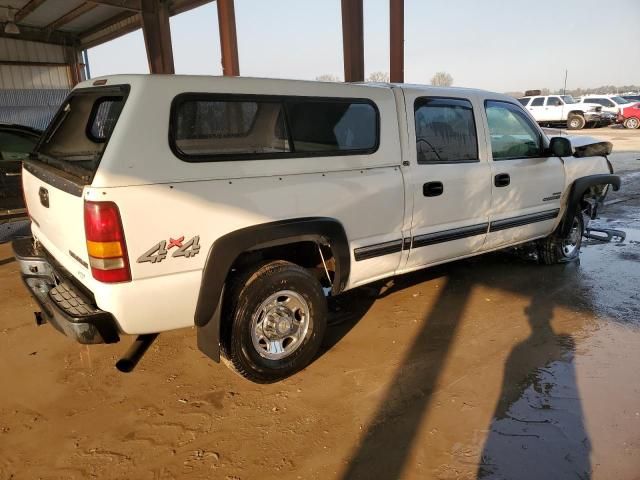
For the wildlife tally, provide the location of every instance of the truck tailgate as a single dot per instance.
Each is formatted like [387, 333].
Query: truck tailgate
[57, 217]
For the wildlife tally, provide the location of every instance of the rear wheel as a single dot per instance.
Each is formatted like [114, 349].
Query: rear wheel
[631, 122]
[556, 249]
[575, 122]
[277, 315]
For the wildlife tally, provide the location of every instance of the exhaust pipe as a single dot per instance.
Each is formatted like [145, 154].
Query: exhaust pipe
[137, 349]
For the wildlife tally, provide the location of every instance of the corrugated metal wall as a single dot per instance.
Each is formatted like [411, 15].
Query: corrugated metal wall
[32, 76]
[30, 94]
[33, 108]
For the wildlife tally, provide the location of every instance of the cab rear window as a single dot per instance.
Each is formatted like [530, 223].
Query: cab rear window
[78, 135]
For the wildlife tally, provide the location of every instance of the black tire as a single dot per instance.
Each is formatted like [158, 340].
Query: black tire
[632, 122]
[575, 122]
[244, 301]
[554, 249]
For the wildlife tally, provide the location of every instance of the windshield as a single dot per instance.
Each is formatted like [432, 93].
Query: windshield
[568, 99]
[78, 135]
[620, 100]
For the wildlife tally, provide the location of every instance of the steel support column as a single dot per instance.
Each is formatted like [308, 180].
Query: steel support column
[157, 35]
[74, 66]
[396, 40]
[352, 40]
[228, 39]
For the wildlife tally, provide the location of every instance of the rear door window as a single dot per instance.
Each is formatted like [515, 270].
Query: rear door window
[524, 101]
[445, 130]
[537, 102]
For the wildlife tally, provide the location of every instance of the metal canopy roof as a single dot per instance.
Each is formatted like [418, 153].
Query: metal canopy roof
[82, 23]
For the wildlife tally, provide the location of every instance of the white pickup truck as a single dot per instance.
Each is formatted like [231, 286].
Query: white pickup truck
[238, 205]
[561, 110]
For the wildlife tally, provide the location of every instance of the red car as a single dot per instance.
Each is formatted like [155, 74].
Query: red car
[630, 116]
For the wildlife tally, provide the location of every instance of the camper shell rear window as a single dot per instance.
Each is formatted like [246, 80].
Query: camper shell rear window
[222, 127]
[77, 136]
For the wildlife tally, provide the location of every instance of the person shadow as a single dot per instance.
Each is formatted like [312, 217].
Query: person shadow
[538, 428]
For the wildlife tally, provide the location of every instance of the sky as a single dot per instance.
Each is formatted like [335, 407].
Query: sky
[499, 45]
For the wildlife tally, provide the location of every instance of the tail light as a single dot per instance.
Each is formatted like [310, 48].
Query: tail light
[105, 242]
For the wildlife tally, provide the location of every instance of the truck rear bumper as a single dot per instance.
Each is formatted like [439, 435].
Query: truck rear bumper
[64, 305]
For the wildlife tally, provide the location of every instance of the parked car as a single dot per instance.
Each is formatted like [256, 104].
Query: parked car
[16, 141]
[607, 118]
[244, 203]
[561, 110]
[630, 116]
[631, 98]
[609, 103]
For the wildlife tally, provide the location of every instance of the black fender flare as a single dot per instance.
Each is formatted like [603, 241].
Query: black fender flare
[226, 249]
[578, 189]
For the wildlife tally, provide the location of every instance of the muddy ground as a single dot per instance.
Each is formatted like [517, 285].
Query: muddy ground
[494, 367]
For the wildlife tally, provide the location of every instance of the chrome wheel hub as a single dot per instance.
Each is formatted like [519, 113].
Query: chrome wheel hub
[572, 242]
[280, 324]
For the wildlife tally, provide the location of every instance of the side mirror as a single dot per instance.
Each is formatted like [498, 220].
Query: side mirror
[560, 147]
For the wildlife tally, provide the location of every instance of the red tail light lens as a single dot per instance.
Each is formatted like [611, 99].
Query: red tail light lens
[106, 243]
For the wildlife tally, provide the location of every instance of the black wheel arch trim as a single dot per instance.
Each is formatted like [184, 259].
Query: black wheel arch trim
[226, 249]
[578, 189]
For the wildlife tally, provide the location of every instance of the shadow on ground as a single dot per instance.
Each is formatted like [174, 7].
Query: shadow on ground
[538, 427]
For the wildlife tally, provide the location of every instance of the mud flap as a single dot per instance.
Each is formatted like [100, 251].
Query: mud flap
[208, 335]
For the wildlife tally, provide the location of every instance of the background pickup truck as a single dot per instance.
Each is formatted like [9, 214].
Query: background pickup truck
[561, 110]
[238, 205]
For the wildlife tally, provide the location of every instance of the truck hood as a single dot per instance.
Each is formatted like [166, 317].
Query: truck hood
[589, 146]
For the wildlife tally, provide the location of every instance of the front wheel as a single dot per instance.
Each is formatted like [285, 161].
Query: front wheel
[555, 249]
[575, 122]
[276, 318]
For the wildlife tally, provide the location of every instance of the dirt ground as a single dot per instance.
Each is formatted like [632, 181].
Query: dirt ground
[493, 367]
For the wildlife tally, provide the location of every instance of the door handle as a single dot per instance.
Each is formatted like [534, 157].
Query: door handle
[502, 180]
[432, 189]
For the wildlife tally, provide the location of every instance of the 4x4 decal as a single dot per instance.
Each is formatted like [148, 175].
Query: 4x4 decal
[160, 250]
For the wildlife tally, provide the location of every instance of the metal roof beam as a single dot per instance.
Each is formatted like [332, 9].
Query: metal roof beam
[175, 7]
[72, 15]
[34, 34]
[27, 9]
[129, 5]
